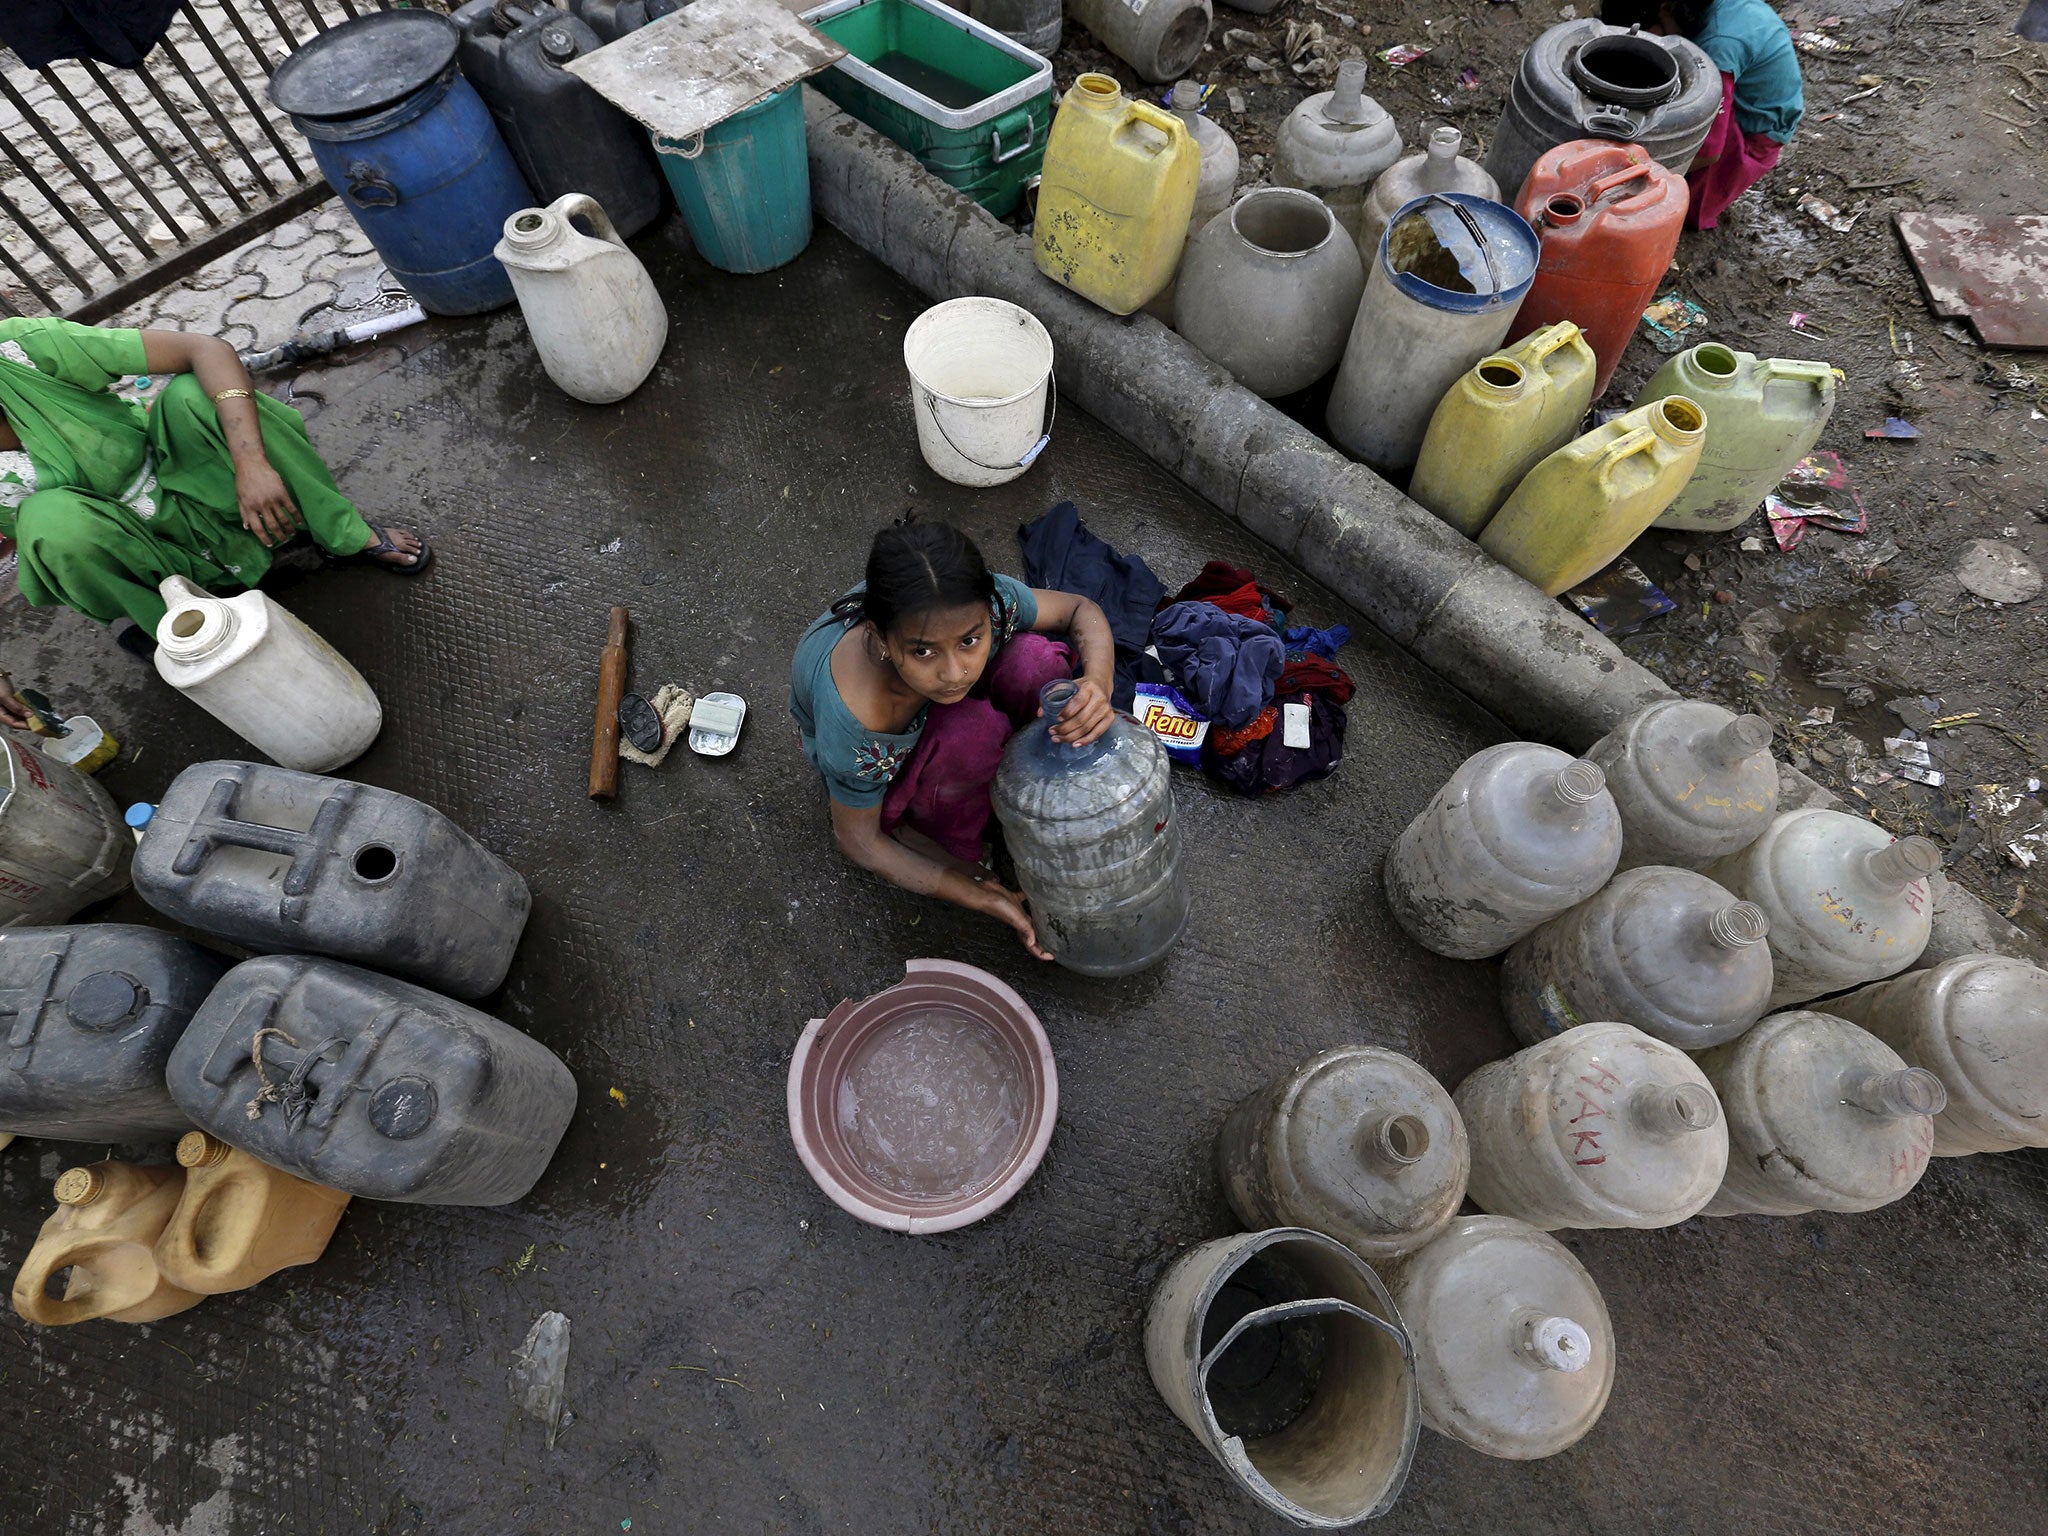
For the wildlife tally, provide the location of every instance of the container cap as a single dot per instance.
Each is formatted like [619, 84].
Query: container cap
[78, 1186]
[365, 65]
[105, 999]
[1455, 251]
[139, 815]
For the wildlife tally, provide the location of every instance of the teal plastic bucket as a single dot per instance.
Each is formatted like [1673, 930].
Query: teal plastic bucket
[745, 186]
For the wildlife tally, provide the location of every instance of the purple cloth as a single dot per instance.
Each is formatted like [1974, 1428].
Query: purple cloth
[1269, 764]
[943, 790]
[1224, 663]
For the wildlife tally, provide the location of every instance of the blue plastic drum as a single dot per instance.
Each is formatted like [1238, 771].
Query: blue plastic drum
[412, 150]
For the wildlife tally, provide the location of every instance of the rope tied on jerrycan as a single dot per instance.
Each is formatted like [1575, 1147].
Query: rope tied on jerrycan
[291, 1096]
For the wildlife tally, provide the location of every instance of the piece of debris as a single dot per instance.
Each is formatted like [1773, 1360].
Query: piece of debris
[1468, 78]
[1914, 761]
[1817, 42]
[1820, 714]
[1620, 600]
[1752, 545]
[1991, 267]
[1865, 558]
[1400, 54]
[1827, 213]
[1998, 573]
[1894, 427]
[1798, 320]
[1675, 322]
[540, 1367]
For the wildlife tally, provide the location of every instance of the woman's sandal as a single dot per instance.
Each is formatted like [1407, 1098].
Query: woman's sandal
[382, 545]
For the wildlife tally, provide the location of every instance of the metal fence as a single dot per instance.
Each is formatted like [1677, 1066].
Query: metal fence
[115, 182]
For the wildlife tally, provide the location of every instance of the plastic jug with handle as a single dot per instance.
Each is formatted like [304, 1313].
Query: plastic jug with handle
[1666, 949]
[103, 1233]
[1117, 192]
[62, 844]
[1575, 512]
[593, 312]
[1601, 1126]
[1822, 1116]
[1847, 905]
[1357, 1142]
[1980, 1024]
[1514, 1353]
[266, 676]
[1764, 414]
[241, 1220]
[1609, 218]
[1498, 422]
[1517, 835]
[1694, 783]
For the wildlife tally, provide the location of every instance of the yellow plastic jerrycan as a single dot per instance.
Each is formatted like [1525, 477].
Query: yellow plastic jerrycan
[104, 1232]
[1574, 513]
[1499, 421]
[1116, 194]
[241, 1220]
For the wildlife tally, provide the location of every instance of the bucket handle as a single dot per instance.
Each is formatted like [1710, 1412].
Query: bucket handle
[1315, 1306]
[1478, 236]
[995, 138]
[1052, 408]
[1611, 122]
[688, 148]
[369, 187]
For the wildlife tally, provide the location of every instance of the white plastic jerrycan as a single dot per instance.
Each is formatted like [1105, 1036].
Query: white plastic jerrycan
[592, 310]
[1514, 1353]
[1601, 1126]
[266, 676]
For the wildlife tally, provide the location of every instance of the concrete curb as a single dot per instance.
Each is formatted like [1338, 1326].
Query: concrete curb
[1470, 620]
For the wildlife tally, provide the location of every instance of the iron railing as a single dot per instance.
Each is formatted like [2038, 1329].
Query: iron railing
[116, 182]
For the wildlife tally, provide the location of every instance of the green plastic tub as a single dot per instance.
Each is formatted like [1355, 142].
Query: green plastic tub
[972, 105]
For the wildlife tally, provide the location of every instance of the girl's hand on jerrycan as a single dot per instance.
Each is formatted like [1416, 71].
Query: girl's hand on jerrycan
[1087, 715]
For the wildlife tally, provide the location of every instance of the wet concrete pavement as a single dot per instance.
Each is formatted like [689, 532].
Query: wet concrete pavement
[745, 1356]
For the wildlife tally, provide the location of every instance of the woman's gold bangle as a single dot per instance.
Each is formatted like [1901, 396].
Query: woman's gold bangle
[231, 394]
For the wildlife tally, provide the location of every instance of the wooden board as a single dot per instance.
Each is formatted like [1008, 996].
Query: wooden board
[1991, 267]
[696, 67]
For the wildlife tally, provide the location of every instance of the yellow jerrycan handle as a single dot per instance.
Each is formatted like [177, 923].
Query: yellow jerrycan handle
[1820, 375]
[1175, 130]
[1561, 335]
[1632, 442]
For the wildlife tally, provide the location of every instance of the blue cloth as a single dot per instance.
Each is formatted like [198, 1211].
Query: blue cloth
[1306, 640]
[858, 764]
[1750, 43]
[117, 32]
[1061, 555]
[1224, 663]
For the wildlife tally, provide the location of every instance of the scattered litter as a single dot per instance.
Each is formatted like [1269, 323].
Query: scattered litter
[1817, 42]
[1237, 101]
[1820, 714]
[1827, 213]
[539, 1369]
[1998, 573]
[1620, 600]
[1893, 426]
[1752, 545]
[1798, 320]
[1914, 761]
[1818, 494]
[1991, 267]
[1674, 322]
[1400, 54]
[1865, 558]
[1468, 78]
[618, 1096]
[1238, 37]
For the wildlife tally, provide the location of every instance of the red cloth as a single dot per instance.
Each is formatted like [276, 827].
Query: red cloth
[1312, 674]
[1728, 164]
[1230, 743]
[1231, 589]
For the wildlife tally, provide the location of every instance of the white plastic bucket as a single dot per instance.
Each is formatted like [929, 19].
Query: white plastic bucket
[980, 378]
[62, 842]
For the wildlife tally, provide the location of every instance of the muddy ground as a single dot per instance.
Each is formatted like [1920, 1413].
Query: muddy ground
[1909, 106]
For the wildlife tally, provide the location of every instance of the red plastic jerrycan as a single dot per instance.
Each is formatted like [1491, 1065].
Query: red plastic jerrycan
[1609, 218]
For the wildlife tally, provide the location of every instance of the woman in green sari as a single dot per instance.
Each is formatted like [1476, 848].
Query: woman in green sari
[104, 499]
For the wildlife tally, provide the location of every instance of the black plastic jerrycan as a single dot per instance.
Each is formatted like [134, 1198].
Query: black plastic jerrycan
[274, 859]
[89, 1015]
[371, 1086]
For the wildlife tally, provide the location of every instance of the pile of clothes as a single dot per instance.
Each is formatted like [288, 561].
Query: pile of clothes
[1216, 670]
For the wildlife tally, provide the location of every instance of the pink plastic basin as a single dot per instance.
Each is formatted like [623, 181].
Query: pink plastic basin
[927, 1106]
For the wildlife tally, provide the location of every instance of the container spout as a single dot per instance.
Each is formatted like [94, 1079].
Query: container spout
[1552, 1343]
[1896, 1095]
[1347, 103]
[1394, 1141]
[1738, 741]
[1898, 865]
[1668, 1111]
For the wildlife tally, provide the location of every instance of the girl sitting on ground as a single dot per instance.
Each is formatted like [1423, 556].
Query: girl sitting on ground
[906, 691]
[1762, 95]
